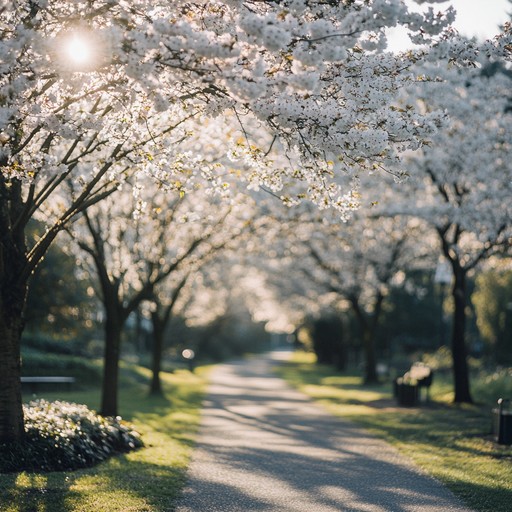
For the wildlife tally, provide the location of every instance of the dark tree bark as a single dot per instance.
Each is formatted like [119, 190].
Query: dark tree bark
[115, 318]
[11, 410]
[13, 290]
[114, 323]
[449, 236]
[459, 350]
[370, 370]
[368, 325]
[160, 319]
[157, 351]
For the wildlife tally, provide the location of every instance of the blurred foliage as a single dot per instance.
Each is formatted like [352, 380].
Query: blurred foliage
[47, 342]
[61, 436]
[227, 336]
[493, 303]
[325, 336]
[489, 386]
[59, 302]
[417, 317]
[413, 317]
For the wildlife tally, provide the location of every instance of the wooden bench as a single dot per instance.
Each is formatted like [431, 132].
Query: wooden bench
[407, 388]
[34, 383]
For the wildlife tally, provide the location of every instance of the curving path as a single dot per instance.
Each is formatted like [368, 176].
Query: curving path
[263, 446]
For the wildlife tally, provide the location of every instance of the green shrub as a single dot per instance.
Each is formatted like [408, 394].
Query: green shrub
[62, 436]
[88, 345]
[45, 342]
[488, 387]
[36, 363]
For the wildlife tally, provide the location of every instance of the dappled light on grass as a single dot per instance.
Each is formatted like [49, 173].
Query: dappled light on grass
[147, 480]
[333, 391]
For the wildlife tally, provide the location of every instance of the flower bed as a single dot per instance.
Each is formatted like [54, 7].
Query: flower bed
[62, 436]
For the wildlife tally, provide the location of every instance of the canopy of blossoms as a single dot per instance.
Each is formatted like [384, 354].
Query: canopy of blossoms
[299, 90]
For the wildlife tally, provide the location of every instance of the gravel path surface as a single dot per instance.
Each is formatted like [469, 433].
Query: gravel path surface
[266, 447]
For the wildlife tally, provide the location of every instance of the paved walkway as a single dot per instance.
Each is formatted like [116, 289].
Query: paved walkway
[266, 447]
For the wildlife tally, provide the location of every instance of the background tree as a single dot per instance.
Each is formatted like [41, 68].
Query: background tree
[347, 266]
[462, 182]
[131, 256]
[359, 263]
[327, 335]
[187, 281]
[493, 303]
[163, 304]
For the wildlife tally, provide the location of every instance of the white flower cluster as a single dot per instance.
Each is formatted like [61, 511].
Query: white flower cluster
[312, 74]
[463, 179]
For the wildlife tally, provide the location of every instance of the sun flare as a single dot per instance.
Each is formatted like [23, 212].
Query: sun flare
[79, 50]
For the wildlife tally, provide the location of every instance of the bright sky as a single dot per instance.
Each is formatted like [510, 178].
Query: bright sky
[480, 18]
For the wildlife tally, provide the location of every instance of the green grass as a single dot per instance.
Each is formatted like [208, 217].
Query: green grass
[147, 480]
[452, 443]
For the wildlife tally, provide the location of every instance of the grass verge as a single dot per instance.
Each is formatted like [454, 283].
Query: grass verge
[147, 480]
[452, 443]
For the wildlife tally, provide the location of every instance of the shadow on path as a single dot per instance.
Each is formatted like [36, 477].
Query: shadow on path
[264, 446]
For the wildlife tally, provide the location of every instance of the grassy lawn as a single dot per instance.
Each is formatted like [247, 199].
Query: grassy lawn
[147, 480]
[452, 443]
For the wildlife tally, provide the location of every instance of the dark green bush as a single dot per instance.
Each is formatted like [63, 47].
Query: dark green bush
[87, 346]
[45, 342]
[62, 436]
[35, 363]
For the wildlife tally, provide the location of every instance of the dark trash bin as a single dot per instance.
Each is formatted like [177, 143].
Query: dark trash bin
[502, 422]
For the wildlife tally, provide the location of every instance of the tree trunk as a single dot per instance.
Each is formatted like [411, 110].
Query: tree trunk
[459, 351]
[113, 328]
[368, 325]
[11, 409]
[158, 345]
[13, 290]
[370, 371]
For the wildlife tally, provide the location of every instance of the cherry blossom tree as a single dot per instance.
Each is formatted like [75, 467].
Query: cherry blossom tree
[68, 138]
[183, 291]
[353, 265]
[462, 182]
[201, 295]
[94, 91]
[164, 302]
[130, 257]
